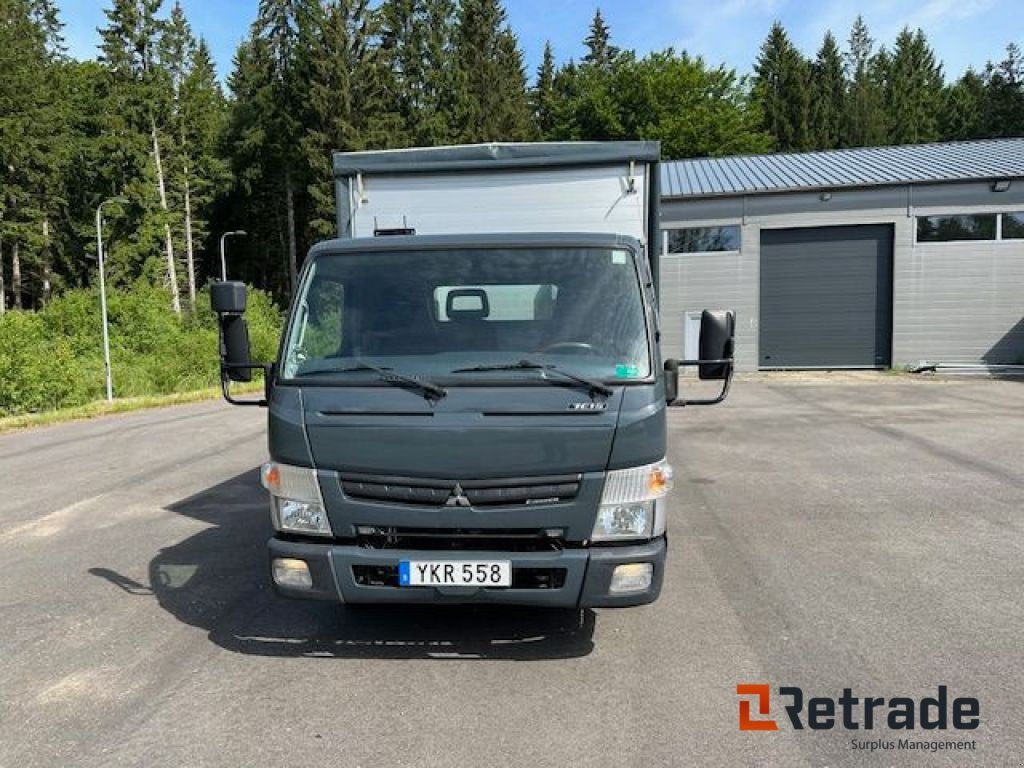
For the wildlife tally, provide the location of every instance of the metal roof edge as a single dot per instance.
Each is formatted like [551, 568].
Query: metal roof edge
[854, 167]
[495, 155]
[837, 187]
[479, 239]
[856, 150]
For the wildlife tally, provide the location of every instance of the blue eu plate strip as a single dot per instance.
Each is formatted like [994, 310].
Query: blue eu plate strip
[403, 573]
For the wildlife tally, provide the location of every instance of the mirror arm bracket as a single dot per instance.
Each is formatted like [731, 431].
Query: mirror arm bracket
[225, 382]
[680, 402]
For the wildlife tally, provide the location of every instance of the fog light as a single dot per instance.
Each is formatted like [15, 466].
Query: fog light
[632, 577]
[289, 572]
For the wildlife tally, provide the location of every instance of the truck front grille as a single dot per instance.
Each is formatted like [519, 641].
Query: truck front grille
[461, 539]
[427, 492]
[522, 578]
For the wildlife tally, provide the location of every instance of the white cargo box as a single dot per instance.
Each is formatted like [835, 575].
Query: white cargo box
[605, 187]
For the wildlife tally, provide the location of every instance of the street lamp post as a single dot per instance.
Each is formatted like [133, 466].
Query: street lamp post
[223, 260]
[103, 295]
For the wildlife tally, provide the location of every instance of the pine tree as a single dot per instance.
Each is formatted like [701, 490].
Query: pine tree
[204, 171]
[589, 109]
[963, 108]
[255, 197]
[1004, 86]
[140, 99]
[416, 50]
[20, 60]
[177, 48]
[913, 93]
[282, 102]
[336, 46]
[511, 92]
[600, 52]
[48, 22]
[349, 103]
[83, 89]
[783, 91]
[865, 117]
[33, 121]
[542, 95]
[828, 95]
[491, 99]
[436, 118]
[566, 89]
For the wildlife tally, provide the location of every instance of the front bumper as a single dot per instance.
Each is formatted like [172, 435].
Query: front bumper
[587, 575]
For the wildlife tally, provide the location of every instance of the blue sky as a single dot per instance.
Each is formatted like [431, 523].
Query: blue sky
[963, 32]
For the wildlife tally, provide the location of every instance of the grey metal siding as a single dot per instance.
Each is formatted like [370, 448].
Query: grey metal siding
[691, 282]
[961, 302]
[951, 302]
[826, 297]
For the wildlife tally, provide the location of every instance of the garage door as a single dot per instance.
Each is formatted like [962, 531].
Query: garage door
[826, 297]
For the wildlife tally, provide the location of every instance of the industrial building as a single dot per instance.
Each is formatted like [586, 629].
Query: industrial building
[860, 258]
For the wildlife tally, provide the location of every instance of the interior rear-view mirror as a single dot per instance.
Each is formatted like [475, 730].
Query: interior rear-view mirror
[467, 304]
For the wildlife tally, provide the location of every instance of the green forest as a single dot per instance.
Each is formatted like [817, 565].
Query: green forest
[190, 156]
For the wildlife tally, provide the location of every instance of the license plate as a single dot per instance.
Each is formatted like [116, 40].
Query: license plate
[455, 573]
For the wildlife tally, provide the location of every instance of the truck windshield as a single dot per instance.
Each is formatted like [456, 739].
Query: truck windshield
[428, 313]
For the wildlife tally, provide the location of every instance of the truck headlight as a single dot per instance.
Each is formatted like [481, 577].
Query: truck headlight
[633, 503]
[296, 505]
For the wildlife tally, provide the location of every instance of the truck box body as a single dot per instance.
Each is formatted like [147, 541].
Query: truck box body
[600, 187]
[469, 401]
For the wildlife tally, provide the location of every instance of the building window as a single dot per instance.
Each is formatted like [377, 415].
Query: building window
[1013, 226]
[703, 239]
[941, 229]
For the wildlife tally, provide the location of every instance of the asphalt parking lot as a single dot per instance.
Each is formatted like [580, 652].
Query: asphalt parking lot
[861, 532]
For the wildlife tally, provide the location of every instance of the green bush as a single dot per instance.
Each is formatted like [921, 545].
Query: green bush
[54, 358]
[38, 370]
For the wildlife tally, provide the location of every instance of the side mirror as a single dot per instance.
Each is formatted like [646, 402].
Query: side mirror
[228, 300]
[234, 348]
[671, 381]
[717, 334]
[717, 331]
[228, 297]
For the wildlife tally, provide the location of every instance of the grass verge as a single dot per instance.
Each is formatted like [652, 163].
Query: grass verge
[124, 405]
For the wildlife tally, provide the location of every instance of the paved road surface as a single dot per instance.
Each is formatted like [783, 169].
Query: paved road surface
[824, 535]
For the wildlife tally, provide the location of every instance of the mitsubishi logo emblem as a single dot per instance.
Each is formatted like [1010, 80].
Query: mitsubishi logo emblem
[457, 498]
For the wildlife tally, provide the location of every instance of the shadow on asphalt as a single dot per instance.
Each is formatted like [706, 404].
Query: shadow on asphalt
[217, 580]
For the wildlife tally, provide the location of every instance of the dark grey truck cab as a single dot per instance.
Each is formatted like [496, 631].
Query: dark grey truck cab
[469, 404]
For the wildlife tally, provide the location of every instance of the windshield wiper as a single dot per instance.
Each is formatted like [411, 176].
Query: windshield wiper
[529, 365]
[430, 390]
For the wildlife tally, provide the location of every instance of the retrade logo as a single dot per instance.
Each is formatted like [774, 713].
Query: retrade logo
[763, 696]
[849, 712]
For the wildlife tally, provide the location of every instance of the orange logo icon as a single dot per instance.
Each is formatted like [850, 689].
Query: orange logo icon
[763, 694]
